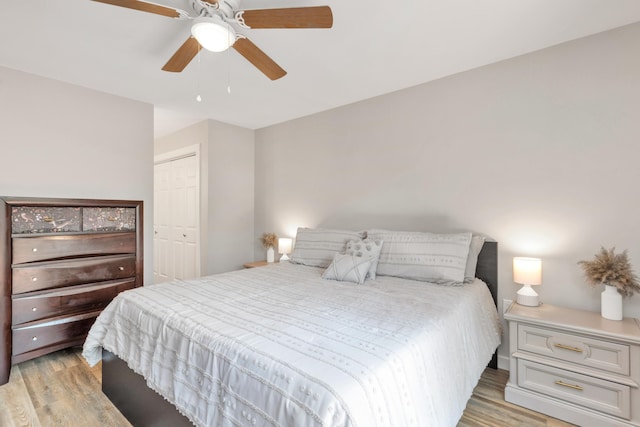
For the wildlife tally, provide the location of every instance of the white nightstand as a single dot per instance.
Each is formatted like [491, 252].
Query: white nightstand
[574, 365]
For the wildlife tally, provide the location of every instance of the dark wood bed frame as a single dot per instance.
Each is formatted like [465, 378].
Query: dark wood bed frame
[143, 407]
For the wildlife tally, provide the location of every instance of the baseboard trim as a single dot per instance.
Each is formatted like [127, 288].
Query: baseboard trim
[503, 362]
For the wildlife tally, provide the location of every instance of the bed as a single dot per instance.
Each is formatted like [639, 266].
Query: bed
[283, 346]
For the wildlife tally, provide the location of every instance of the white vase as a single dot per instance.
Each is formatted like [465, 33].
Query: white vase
[270, 255]
[611, 303]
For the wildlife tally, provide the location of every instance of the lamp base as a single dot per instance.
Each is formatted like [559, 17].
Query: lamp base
[284, 257]
[527, 296]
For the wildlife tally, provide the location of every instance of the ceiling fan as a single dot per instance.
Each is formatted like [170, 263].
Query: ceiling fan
[214, 28]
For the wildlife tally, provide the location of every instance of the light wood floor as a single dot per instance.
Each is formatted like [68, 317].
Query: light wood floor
[61, 390]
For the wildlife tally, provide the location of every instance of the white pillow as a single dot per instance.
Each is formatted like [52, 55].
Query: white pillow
[348, 268]
[317, 246]
[367, 248]
[472, 260]
[429, 257]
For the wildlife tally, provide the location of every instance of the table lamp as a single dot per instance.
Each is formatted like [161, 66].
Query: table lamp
[527, 272]
[284, 247]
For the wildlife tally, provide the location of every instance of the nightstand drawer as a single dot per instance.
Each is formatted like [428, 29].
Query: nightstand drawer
[577, 349]
[596, 394]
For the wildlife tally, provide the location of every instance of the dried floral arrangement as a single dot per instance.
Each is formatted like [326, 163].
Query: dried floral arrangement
[612, 269]
[269, 240]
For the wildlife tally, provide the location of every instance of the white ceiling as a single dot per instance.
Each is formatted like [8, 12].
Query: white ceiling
[374, 48]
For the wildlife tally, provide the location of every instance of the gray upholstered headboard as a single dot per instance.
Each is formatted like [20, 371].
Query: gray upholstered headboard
[487, 268]
[487, 271]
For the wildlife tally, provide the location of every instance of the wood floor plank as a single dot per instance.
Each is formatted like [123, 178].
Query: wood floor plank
[16, 408]
[60, 389]
[487, 407]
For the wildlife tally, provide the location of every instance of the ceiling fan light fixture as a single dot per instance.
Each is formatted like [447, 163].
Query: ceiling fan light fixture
[213, 34]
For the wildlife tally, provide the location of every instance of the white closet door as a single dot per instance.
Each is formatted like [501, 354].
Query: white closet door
[176, 219]
[184, 217]
[162, 270]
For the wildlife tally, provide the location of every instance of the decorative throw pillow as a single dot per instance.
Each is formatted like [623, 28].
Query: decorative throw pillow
[348, 268]
[317, 246]
[472, 260]
[366, 248]
[430, 257]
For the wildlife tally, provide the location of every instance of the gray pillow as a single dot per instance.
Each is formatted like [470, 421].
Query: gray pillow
[429, 257]
[367, 248]
[472, 260]
[348, 268]
[317, 246]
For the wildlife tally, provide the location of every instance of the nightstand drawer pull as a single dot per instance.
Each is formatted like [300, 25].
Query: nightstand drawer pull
[566, 347]
[573, 386]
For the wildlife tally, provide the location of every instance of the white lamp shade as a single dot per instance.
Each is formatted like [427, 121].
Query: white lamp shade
[213, 34]
[527, 271]
[284, 247]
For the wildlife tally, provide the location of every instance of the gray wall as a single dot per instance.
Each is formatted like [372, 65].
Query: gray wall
[539, 152]
[61, 140]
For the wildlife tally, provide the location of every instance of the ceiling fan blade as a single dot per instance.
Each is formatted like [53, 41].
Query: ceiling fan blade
[144, 7]
[258, 58]
[183, 56]
[292, 17]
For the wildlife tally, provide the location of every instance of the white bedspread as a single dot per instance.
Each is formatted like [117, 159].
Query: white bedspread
[279, 346]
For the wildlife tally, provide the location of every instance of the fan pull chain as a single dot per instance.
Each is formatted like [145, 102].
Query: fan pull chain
[198, 97]
[229, 67]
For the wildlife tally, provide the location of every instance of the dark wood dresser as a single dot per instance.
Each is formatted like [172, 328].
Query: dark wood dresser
[61, 262]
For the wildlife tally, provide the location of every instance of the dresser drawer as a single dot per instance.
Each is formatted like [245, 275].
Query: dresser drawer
[108, 219]
[35, 335]
[45, 275]
[30, 307]
[39, 248]
[577, 349]
[589, 392]
[45, 219]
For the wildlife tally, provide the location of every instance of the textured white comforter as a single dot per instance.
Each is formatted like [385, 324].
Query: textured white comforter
[279, 346]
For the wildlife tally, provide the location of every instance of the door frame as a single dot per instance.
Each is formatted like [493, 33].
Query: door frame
[177, 154]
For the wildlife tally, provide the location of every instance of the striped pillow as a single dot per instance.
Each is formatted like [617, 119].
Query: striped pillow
[317, 246]
[348, 268]
[477, 242]
[429, 257]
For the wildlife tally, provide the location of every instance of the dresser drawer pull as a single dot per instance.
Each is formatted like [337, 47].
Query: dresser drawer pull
[47, 219]
[34, 309]
[34, 339]
[112, 218]
[35, 249]
[573, 386]
[566, 347]
[121, 268]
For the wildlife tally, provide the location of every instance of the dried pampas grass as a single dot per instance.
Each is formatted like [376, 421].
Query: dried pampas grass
[612, 269]
[269, 240]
